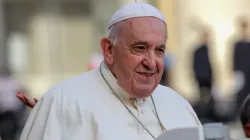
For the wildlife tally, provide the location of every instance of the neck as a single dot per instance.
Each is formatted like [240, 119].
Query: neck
[111, 80]
[109, 76]
[111, 69]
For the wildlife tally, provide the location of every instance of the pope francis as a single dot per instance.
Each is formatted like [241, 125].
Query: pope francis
[122, 98]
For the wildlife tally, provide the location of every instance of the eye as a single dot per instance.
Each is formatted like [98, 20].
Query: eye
[138, 49]
[160, 51]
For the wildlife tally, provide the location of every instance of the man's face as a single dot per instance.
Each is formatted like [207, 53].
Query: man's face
[138, 57]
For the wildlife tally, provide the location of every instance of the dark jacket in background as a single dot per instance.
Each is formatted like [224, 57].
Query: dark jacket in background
[203, 76]
[241, 62]
[202, 67]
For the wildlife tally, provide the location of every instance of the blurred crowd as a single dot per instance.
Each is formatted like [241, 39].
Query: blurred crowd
[211, 107]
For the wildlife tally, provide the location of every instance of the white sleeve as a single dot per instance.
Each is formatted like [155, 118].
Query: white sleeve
[192, 112]
[56, 118]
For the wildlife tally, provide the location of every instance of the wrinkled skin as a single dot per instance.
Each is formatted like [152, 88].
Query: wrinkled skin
[137, 57]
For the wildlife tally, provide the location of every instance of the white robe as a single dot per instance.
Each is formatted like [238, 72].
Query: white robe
[84, 108]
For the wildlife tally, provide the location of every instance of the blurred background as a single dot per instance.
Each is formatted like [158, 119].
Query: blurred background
[43, 42]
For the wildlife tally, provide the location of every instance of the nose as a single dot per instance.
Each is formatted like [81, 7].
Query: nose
[149, 61]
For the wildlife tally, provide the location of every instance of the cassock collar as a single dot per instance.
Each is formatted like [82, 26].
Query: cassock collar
[112, 81]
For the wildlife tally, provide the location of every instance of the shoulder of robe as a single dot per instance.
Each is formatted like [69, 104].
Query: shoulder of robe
[170, 97]
[167, 94]
[69, 91]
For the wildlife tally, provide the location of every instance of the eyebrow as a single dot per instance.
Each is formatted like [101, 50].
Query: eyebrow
[162, 46]
[140, 43]
[146, 44]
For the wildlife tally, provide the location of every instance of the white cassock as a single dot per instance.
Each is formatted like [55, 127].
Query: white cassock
[85, 108]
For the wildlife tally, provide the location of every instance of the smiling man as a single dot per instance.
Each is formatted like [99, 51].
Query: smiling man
[121, 99]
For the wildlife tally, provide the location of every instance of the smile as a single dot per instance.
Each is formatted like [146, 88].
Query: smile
[145, 74]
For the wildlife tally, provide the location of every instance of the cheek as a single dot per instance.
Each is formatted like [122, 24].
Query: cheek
[160, 65]
[131, 62]
[128, 66]
[124, 65]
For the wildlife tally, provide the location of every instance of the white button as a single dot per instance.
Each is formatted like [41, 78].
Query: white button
[135, 103]
[139, 102]
[142, 129]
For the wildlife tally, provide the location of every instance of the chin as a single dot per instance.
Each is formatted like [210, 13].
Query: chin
[142, 90]
[142, 96]
[143, 93]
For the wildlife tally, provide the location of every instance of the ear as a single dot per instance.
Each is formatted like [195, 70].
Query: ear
[107, 50]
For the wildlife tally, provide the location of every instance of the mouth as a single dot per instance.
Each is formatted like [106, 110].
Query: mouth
[146, 74]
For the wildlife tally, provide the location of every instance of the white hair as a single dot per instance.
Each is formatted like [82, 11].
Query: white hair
[113, 34]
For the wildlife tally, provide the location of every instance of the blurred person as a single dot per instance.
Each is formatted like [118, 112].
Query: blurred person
[95, 61]
[10, 107]
[241, 63]
[203, 75]
[201, 63]
[123, 92]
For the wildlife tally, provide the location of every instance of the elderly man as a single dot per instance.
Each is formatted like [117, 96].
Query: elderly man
[121, 99]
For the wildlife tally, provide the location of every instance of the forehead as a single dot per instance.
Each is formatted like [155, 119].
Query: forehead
[148, 29]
